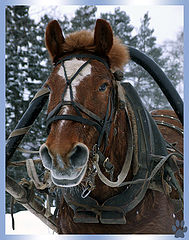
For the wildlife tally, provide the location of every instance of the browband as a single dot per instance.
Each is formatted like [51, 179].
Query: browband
[91, 56]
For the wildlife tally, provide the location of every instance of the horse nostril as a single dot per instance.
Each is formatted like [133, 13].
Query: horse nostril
[45, 156]
[79, 155]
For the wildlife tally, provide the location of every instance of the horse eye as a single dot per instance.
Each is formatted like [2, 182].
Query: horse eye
[103, 87]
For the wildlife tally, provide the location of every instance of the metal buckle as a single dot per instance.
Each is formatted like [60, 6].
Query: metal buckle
[88, 190]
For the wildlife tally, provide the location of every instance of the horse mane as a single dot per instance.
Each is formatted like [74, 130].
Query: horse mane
[84, 40]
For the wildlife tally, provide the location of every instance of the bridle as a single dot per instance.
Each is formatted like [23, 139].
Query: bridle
[152, 152]
[102, 125]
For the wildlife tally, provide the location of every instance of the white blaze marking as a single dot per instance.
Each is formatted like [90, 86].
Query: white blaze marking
[71, 67]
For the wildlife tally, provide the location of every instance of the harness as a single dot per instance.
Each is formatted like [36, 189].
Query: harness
[149, 141]
[151, 156]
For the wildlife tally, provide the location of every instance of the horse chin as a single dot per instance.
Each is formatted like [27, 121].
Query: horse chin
[63, 182]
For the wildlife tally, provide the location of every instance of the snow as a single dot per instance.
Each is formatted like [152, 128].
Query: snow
[26, 223]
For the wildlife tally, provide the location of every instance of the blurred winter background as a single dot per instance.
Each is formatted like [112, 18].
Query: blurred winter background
[155, 30]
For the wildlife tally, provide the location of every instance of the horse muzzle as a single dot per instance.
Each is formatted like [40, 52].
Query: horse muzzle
[68, 171]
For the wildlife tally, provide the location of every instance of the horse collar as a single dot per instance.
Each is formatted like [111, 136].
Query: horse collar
[150, 143]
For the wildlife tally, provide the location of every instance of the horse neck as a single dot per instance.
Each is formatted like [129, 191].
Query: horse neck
[117, 146]
[116, 152]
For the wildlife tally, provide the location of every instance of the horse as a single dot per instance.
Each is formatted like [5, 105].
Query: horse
[104, 150]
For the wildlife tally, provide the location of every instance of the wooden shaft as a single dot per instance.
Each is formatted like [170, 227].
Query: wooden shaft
[20, 194]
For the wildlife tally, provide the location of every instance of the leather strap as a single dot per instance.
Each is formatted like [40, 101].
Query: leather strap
[127, 163]
[102, 126]
[90, 56]
[76, 119]
[151, 146]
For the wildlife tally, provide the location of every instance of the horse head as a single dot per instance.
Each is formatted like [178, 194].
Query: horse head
[98, 126]
[83, 99]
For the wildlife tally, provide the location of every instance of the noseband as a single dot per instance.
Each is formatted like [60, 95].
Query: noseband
[101, 125]
[151, 155]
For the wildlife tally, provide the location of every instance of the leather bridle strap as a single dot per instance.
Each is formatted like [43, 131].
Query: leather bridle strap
[69, 82]
[90, 56]
[107, 121]
[76, 119]
[79, 106]
[102, 126]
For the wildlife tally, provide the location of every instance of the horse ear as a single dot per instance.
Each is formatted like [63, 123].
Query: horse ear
[103, 37]
[54, 39]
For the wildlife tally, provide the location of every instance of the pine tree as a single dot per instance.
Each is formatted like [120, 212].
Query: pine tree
[174, 53]
[65, 24]
[15, 61]
[147, 88]
[27, 67]
[84, 18]
[120, 23]
[16, 64]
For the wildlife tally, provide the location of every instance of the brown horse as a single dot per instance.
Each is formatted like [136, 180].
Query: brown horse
[103, 149]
